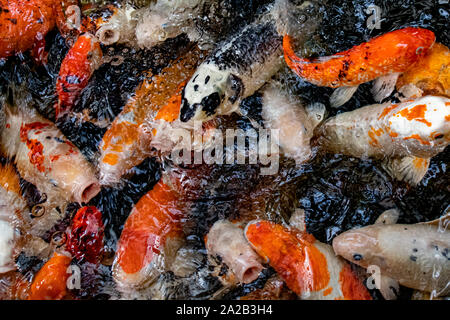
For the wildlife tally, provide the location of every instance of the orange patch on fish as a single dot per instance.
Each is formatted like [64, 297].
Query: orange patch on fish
[387, 110]
[373, 133]
[420, 163]
[327, 292]
[352, 288]
[293, 255]
[9, 179]
[155, 218]
[111, 159]
[416, 113]
[50, 283]
[419, 138]
[392, 52]
[35, 155]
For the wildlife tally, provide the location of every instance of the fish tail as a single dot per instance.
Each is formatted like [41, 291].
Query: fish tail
[292, 60]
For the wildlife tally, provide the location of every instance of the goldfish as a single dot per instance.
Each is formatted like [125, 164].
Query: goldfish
[414, 255]
[226, 240]
[238, 67]
[44, 157]
[405, 135]
[121, 147]
[85, 235]
[431, 74]
[295, 122]
[50, 283]
[309, 268]
[83, 58]
[383, 58]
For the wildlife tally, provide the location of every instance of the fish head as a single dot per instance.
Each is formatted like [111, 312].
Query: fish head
[360, 246]
[207, 91]
[422, 126]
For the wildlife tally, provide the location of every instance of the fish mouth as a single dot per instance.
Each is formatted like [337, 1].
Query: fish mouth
[86, 191]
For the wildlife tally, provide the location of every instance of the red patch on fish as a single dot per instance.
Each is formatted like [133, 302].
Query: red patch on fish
[36, 153]
[85, 235]
[351, 287]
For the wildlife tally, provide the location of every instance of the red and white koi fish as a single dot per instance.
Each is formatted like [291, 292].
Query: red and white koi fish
[309, 268]
[83, 58]
[382, 58]
[226, 240]
[417, 255]
[406, 135]
[44, 157]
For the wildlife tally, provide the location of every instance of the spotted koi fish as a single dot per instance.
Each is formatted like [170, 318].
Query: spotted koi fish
[309, 268]
[121, 147]
[405, 135]
[382, 58]
[83, 58]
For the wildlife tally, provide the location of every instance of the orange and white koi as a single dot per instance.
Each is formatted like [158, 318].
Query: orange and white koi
[150, 238]
[121, 147]
[50, 283]
[309, 268]
[416, 255]
[407, 134]
[382, 58]
[430, 75]
[79, 64]
[44, 157]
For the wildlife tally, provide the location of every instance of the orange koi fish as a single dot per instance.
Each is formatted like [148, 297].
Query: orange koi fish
[404, 135]
[50, 283]
[382, 58]
[150, 237]
[81, 61]
[24, 24]
[121, 148]
[308, 267]
[44, 157]
[431, 74]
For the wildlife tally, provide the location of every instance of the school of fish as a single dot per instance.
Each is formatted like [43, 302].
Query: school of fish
[206, 83]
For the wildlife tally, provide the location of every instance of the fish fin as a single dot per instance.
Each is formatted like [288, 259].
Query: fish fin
[342, 95]
[443, 221]
[388, 217]
[316, 113]
[409, 91]
[389, 288]
[409, 169]
[297, 220]
[384, 86]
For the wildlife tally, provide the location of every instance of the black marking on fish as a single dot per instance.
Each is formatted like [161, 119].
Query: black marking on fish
[413, 258]
[415, 250]
[252, 45]
[187, 111]
[211, 103]
[207, 79]
[237, 87]
[195, 78]
[196, 87]
[445, 254]
[357, 257]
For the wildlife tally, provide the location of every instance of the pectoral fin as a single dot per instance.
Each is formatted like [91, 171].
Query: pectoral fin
[408, 169]
[384, 86]
[342, 95]
[388, 217]
[297, 220]
[389, 288]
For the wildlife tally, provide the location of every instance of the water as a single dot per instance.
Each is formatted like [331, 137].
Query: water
[337, 192]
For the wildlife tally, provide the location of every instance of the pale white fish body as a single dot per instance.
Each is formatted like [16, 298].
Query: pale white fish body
[44, 157]
[417, 256]
[416, 128]
[227, 240]
[295, 122]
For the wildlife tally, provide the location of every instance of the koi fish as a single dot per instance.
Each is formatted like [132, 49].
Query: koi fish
[85, 235]
[83, 58]
[50, 283]
[406, 135]
[274, 289]
[44, 157]
[308, 267]
[295, 122]
[431, 74]
[226, 240]
[237, 68]
[118, 27]
[121, 147]
[414, 255]
[382, 58]
[150, 239]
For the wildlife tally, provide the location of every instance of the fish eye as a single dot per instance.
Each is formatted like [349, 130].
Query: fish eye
[211, 103]
[58, 238]
[37, 211]
[357, 257]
